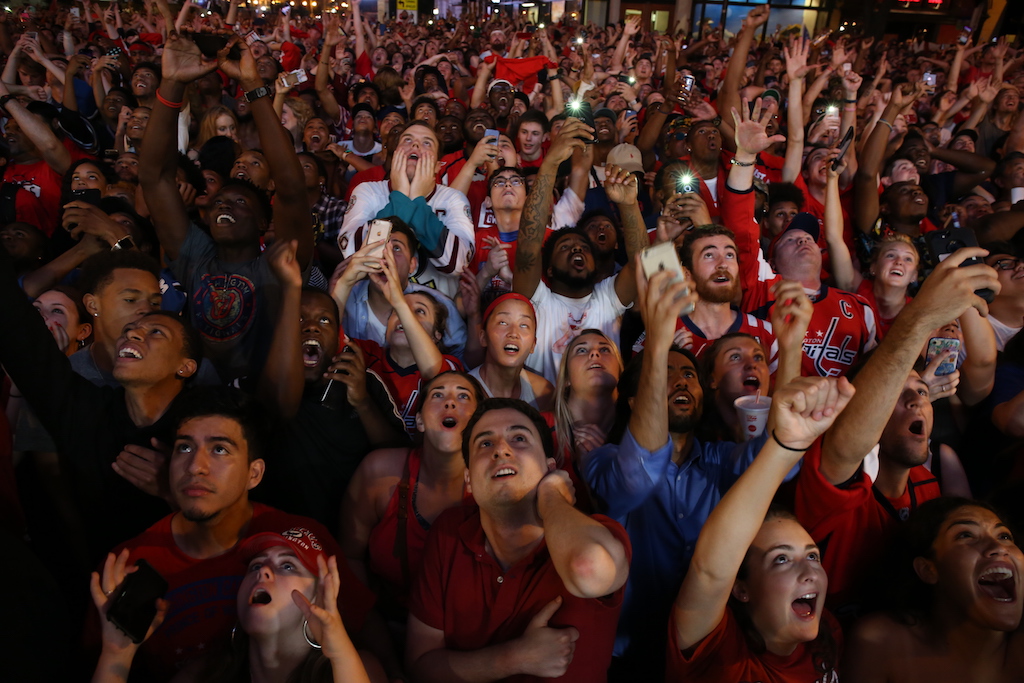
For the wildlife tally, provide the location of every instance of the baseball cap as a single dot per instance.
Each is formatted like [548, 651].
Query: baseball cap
[363, 106]
[606, 113]
[802, 221]
[772, 93]
[391, 110]
[626, 156]
[500, 81]
[301, 541]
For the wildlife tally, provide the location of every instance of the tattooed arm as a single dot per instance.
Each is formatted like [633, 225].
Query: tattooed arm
[537, 211]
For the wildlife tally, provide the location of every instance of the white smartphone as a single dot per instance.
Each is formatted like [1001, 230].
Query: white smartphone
[290, 79]
[661, 257]
[378, 230]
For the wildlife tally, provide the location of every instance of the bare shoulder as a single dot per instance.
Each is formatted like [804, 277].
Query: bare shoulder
[877, 648]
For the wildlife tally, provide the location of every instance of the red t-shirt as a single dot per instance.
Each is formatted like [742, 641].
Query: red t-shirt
[464, 592]
[403, 384]
[202, 593]
[850, 523]
[866, 289]
[37, 201]
[364, 66]
[368, 176]
[724, 657]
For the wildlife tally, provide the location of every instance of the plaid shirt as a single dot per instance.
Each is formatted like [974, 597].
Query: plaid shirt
[330, 211]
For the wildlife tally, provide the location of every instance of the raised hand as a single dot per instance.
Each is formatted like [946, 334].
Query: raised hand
[941, 386]
[661, 301]
[632, 26]
[182, 61]
[750, 128]
[497, 259]
[144, 468]
[791, 313]
[284, 264]
[424, 178]
[104, 589]
[399, 175]
[569, 138]
[324, 620]
[620, 185]
[756, 17]
[349, 368]
[803, 409]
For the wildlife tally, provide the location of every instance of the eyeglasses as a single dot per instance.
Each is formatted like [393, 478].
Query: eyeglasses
[514, 181]
[1006, 264]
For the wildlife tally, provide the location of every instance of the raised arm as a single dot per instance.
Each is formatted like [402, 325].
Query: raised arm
[801, 411]
[630, 29]
[621, 187]
[537, 212]
[839, 253]
[978, 373]
[945, 295]
[332, 36]
[791, 315]
[282, 380]
[796, 69]
[866, 179]
[972, 168]
[357, 28]
[729, 95]
[182, 64]
[424, 349]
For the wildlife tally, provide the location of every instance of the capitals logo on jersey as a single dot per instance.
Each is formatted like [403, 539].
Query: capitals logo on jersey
[842, 328]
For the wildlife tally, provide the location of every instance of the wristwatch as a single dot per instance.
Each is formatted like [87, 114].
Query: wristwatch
[4, 100]
[262, 91]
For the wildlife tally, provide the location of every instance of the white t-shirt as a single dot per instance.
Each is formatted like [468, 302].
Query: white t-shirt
[560, 319]
[1004, 333]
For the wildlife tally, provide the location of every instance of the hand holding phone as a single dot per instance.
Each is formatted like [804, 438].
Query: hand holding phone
[133, 604]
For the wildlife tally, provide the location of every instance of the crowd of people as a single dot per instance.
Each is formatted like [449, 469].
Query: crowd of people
[344, 350]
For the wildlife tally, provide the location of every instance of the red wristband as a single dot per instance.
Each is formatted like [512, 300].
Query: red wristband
[167, 103]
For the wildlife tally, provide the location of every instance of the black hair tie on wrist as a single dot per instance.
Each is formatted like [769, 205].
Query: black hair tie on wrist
[788, 448]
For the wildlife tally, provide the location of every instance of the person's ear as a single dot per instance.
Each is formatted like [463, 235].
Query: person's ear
[84, 330]
[739, 591]
[465, 476]
[552, 464]
[482, 335]
[187, 368]
[926, 570]
[419, 423]
[630, 402]
[92, 305]
[256, 470]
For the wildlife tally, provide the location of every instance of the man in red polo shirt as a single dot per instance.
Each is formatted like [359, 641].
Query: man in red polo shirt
[524, 585]
[847, 514]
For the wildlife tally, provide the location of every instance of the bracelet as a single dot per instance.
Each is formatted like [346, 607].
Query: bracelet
[166, 102]
[849, 107]
[741, 163]
[850, 101]
[886, 123]
[788, 448]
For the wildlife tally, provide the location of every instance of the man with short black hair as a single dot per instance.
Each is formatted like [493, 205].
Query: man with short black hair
[522, 584]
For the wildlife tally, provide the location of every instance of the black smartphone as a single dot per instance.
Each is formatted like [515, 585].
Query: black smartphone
[579, 109]
[212, 43]
[134, 608]
[844, 145]
[89, 196]
[335, 396]
[942, 243]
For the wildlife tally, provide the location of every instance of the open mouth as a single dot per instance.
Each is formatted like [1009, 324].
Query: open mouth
[722, 278]
[449, 422]
[752, 382]
[225, 218]
[315, 137]
[504, 472]
[917, 427]
[312, 353]
[998, 583]
[578, 261]
[260, 597]
[511, 348]
[682, 399]
[804, 606]
[896, 272]
[129, 352]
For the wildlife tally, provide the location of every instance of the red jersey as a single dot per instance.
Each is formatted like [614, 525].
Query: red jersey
[386, 556]
[368, 176]
[364, 66]
[403, 384]
[37, 200]
[761, 330]
[463, 591]
[725, 657]
[851, 522]
[202, 593]
[866, 289]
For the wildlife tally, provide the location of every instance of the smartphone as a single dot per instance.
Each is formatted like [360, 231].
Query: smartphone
[290, 79]
[89, 196]
[114, 52]
[820, 40]
[531, 29]
[623, 78]
[379, 230]
[942, 243]
[688, 183]
[942, 346]
[688, 82]
[34, 35]
[492, 132]
[331, 139]
[661, 257]
[965, 35]
[133, 609]
[844, 145]
[928, 79]
[252, 38]
[211, 43]
[581, 110]
[846, 67]
[335, 394]
[286, 10]
[76, 13]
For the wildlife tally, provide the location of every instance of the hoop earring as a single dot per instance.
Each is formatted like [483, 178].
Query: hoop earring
[234, 632]
[305, 634]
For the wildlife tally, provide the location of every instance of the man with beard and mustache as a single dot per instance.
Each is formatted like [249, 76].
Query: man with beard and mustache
[570, 301]
[217, 459]
[449, 128]
[712, 259]
[655, 477]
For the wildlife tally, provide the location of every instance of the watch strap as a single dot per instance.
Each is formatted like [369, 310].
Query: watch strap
[252, 95]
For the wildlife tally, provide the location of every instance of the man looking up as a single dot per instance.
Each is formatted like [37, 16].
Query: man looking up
[501, 592]
[413, 194]
[573, 302]
[232, 289]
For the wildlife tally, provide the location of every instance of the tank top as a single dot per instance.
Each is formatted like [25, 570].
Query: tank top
[525, 388]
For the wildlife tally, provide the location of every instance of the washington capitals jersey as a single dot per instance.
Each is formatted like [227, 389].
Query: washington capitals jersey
[842, 329]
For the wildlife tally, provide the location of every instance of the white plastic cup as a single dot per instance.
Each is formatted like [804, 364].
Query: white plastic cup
[753, 415]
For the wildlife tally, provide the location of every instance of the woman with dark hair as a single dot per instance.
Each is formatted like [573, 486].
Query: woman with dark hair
[752, 604]
[735, 365]
[288, 627]
[397, 493]
[958, 605]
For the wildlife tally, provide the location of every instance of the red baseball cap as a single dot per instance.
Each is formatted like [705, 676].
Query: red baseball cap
[301, 541]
